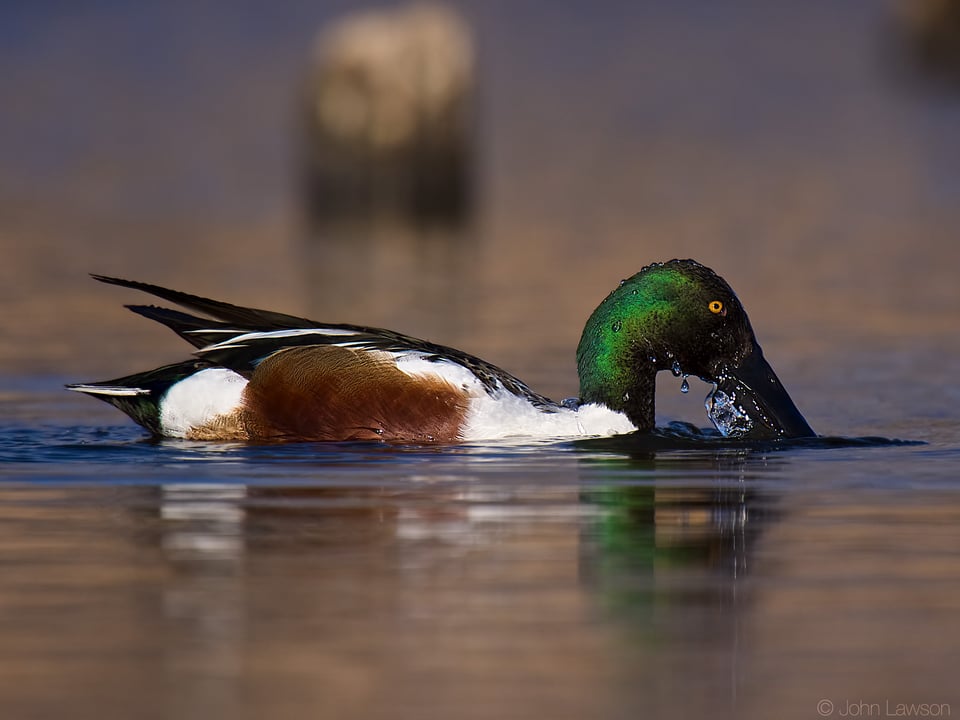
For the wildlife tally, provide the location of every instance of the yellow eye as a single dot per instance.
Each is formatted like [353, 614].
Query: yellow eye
[716, 307]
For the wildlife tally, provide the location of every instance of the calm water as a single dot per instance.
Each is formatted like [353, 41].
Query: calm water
[592, 579]
[788, 148]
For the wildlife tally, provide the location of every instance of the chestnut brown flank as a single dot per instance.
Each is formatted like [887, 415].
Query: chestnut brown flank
[335, 393]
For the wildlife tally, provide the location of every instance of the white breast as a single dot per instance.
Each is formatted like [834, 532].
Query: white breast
[492, 418]
[505, 415]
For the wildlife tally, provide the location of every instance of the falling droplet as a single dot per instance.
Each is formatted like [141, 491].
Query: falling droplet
[675, 369]
[617, 326]
[685, 386]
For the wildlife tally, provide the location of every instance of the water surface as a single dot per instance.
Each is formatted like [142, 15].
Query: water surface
[788, 147]
[583, 579]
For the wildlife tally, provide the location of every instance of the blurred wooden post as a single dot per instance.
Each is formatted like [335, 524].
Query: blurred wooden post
[932, 29]
[388, 124]
[388, 152]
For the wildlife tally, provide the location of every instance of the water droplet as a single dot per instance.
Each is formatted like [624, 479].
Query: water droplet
[622, 283]
[652, 358]
[626, 396]
[685, 386]
[617, 326]
[634, 291]
[675, 369]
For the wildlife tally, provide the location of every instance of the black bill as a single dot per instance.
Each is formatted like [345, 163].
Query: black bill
[750, 402]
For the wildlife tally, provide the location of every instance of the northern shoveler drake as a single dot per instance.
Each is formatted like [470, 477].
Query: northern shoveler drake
[265, 376]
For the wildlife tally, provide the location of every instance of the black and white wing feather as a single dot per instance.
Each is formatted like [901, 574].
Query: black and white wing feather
[240, 338]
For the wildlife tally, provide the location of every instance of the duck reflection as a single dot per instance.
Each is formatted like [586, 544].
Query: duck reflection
[691, 510]
[642, 516]
[667, 559]
[359, 575]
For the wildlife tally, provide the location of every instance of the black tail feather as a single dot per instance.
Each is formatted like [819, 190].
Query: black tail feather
[199, 332]
[246, 318]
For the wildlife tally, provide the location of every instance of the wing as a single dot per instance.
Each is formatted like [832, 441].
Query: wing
[240, 338]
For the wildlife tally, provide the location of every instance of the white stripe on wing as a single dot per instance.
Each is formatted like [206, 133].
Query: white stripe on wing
[247, 338]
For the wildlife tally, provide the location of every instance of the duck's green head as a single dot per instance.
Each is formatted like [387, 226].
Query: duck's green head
[682, 316]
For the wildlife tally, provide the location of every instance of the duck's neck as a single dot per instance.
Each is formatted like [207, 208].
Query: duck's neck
[617, 358]
[633, 394]
[640, 405]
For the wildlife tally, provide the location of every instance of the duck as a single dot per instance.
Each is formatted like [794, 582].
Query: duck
[264, 376]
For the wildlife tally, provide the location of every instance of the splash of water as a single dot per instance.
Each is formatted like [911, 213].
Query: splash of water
[728, 417]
